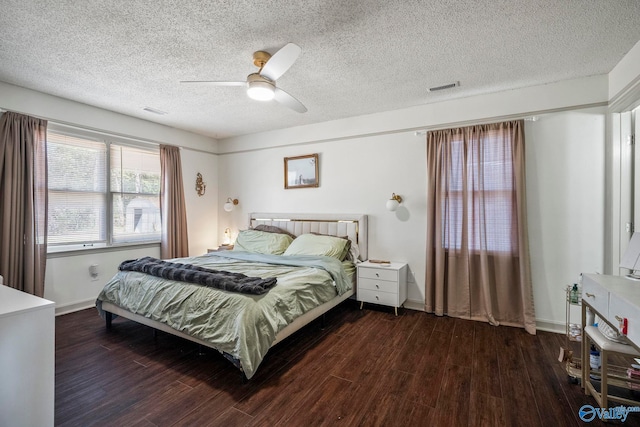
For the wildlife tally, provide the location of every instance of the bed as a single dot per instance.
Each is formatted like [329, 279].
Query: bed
[304, 262]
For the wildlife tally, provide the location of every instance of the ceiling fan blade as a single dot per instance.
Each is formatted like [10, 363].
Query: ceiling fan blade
[280, 61]
[289, 101]
[215, 83]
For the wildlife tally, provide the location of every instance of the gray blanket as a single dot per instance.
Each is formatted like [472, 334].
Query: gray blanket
[227, 281]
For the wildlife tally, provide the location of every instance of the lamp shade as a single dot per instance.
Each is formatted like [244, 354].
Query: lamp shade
[392, 204]
[230, 203]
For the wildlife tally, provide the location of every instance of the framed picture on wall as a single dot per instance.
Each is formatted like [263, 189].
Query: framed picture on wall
[301, 171]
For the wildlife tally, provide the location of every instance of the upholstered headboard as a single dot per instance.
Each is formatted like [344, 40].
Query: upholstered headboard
[352, 225]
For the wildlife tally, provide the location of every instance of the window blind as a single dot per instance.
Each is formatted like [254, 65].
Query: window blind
[77, 190]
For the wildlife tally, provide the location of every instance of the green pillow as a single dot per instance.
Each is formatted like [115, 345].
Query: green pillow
[313, 244]
[262, 242]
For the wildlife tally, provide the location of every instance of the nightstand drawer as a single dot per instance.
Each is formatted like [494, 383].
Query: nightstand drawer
[596, 295]
[378, 273]
[376, 297]
[378, 285]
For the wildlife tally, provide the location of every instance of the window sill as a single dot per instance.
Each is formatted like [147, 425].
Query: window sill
[61, 251]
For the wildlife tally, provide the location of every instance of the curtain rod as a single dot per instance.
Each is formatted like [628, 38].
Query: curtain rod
[527, 118]
[531, 116]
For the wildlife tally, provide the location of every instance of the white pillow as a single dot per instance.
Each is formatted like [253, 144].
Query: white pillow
[318, 245]
[262, 242]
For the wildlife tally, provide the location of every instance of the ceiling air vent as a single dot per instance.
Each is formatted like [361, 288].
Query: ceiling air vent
[443, 87]
[154, 111]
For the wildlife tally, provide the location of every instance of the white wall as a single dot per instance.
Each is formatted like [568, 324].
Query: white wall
[202, 211]
[356, 176]
[364, 160]
[67, 280]
[69, 284]
[565, 204]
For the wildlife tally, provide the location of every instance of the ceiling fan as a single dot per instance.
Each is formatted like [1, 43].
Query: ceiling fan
[262, 85]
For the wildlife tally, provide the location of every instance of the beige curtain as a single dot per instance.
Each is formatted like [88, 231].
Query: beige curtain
[23, 202]
[174, 240]
[477, 245]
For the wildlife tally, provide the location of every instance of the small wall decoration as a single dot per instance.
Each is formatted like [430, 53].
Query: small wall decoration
[201, 186]
[301, 171]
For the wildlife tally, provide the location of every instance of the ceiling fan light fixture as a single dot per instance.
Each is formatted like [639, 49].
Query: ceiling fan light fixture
[261, 91]
[260, 88]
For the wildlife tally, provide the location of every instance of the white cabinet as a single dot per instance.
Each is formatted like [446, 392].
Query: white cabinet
[27, 359]
[384, 284]
[615, 298]
[616, 301]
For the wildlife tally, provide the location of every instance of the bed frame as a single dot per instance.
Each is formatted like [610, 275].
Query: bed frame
[352, 225]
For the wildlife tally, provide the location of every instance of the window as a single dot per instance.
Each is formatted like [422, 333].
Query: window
[101, 192]
[480, 195]
[135, 191]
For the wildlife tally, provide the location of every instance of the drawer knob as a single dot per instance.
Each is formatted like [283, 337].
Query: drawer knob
[377, 275]
[377, 297]
[377, 286]
[589, 295]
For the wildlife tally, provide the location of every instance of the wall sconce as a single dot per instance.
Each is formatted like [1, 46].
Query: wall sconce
[201, 187]
[394, 202]
[228, 206]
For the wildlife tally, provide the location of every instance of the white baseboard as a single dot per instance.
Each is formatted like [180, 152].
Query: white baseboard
[414, 305]
[541, 325]
[551, 326]
[75, 306]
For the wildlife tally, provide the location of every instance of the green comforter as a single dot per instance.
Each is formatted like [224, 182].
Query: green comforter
[241, 325]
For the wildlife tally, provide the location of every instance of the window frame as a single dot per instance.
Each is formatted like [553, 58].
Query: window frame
[108, 140]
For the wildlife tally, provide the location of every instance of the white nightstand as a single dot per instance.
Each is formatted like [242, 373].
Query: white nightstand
[384, 284]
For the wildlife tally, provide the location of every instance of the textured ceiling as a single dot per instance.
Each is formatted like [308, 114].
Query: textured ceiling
[358, 57]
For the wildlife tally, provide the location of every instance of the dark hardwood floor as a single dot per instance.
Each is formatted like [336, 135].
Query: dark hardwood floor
[367, 368]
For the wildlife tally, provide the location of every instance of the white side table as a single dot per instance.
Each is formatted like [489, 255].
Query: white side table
[384, 284]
